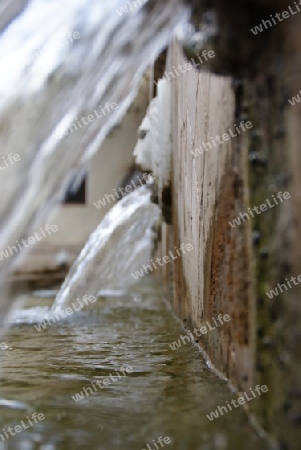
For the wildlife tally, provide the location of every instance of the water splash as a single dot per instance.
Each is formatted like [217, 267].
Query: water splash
[119, 246]
[42, 95]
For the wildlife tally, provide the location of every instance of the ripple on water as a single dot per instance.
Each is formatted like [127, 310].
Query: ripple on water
[168, 393]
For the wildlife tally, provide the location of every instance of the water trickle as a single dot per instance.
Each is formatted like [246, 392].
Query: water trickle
[119, 246]
[50, 81]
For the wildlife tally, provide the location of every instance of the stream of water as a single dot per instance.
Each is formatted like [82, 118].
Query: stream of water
[121, 244]
[64, 60]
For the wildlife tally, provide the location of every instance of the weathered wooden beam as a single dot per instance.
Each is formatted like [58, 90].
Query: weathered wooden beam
[232, 269]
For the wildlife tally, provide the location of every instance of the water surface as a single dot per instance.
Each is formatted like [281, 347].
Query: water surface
[168, 393]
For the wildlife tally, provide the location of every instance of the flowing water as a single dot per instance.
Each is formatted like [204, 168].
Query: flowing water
[105, 376]
[166, 392]
[65, 60]
[121, 244]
